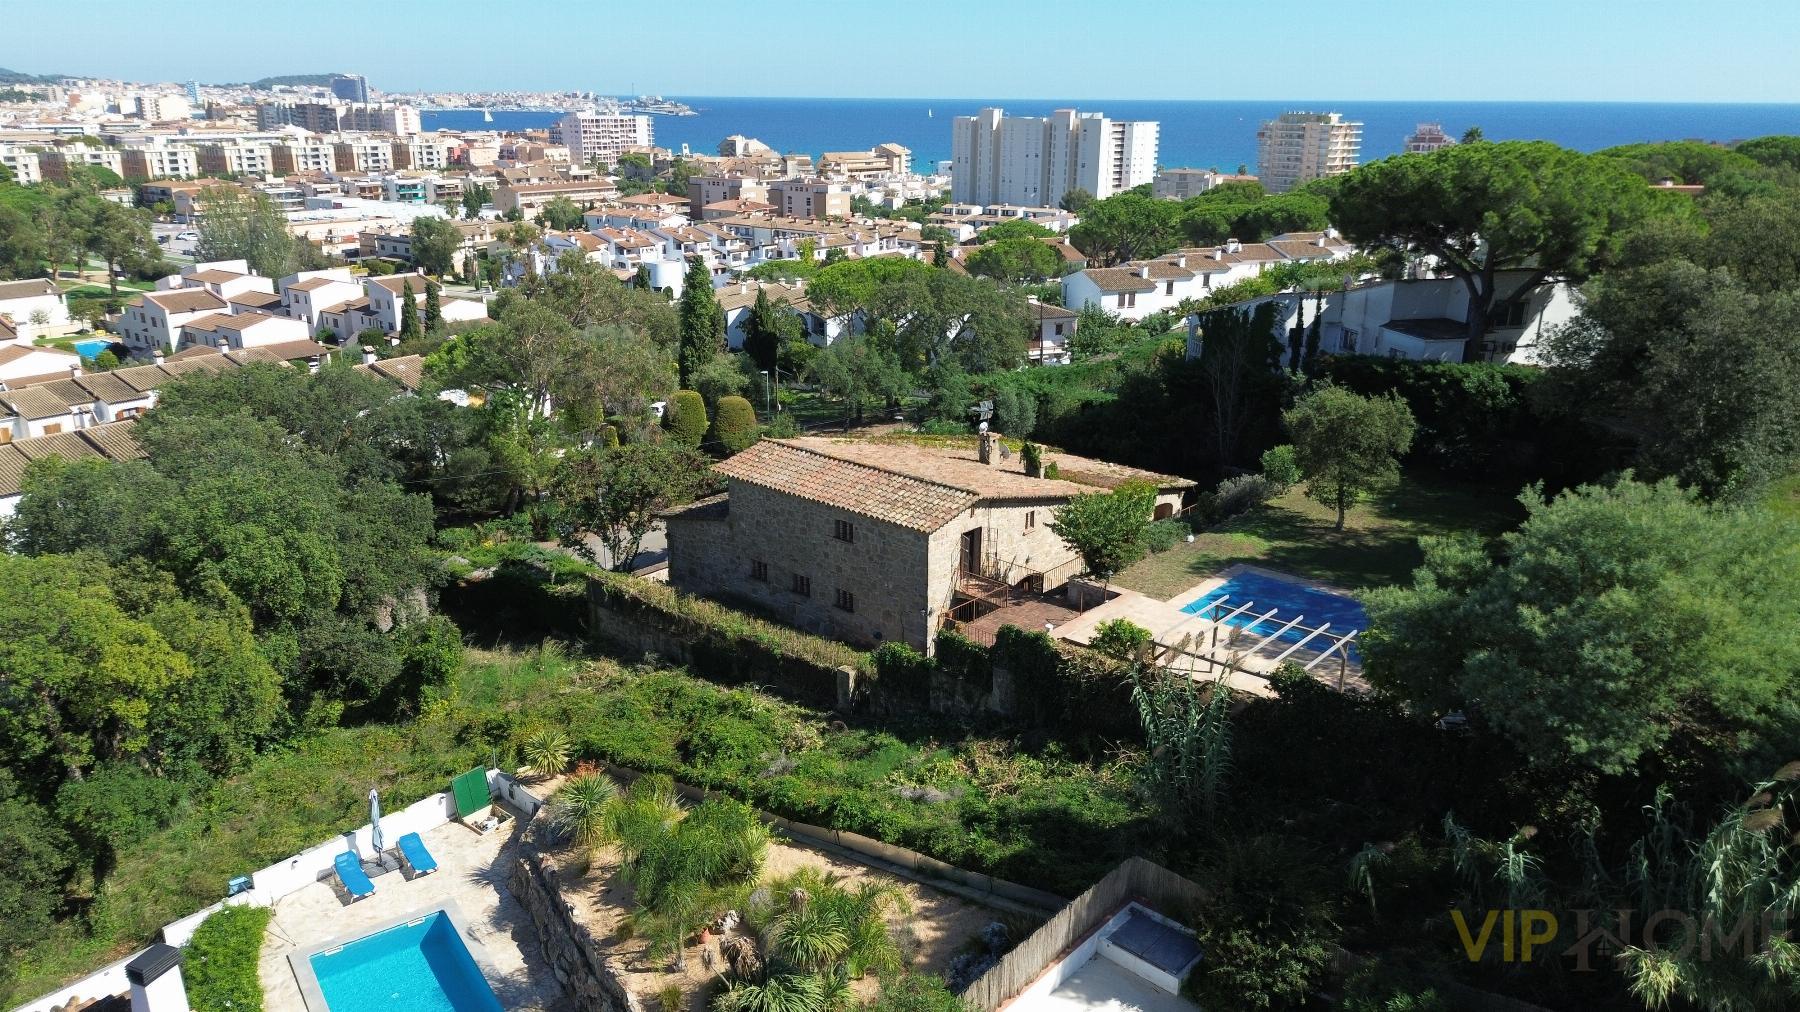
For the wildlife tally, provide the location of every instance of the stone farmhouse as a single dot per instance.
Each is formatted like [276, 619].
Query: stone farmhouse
[871, 542]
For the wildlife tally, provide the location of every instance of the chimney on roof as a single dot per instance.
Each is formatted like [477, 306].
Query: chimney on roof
[1331, 232]
[224, 346]
[1320, 241]
[1143, 271]
[368, 355]
[393, 342]
[1233, 246]
[1181, 260]
[75, 370]
[985, 449]
[156, 357]
[1218, 252]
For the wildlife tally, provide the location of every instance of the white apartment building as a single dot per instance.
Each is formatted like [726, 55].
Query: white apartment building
[173, 161]
[55, 162]
[364, 155]
[303, 157]
[21, 164]
[1000, 159]
[1181, 184]
[241, 159]
[595, 136]
[1298, 147]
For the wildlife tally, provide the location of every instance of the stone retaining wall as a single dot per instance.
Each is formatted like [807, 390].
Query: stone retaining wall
[589, 980]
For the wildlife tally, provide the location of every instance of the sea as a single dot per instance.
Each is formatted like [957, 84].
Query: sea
[1219, 135]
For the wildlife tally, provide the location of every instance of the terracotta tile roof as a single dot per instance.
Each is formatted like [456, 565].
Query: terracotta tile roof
[117, 440]
[66, 390]
[214, 277]
[105, 386]
[799, 470]
[345, 307]
[67, 445]
[397, 283]
[713, 507]
[8, 330]
[33, 403]
[12, 468]
[19, 351]
[185, 300]
[314, 283]
[255, 300]
[407, 370]
[1069, 253]
[1294, 249]
[743, 294]
[914, 486]
[280, 351]
[1045, 311]
[194, 352]
[1119, 279]
[142, 378]
[29, 288]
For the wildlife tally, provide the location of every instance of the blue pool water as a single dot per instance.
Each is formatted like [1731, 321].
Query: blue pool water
[1289, 599]
[417, 967]
[91, 347]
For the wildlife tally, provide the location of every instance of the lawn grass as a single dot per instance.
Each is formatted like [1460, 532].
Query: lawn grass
[1378, 546]
[1784, 497]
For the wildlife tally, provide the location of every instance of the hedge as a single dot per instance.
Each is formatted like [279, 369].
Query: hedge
[722, 643]
[734, 427]
[220, 963]
[687, 418]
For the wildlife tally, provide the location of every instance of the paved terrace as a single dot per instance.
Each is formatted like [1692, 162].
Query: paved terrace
[1169, 625]
[471, 872]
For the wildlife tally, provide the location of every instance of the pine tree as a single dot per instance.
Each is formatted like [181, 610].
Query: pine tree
[702, 321]
[434, 310]
[409, 313]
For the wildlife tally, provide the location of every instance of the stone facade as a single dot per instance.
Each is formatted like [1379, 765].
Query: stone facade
[884, 568]
[589, 980]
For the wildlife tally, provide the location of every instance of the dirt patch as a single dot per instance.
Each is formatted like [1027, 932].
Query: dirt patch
[939, 926]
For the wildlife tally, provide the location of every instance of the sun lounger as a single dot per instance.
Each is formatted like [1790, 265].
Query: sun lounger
[412, 849]
[350, 873]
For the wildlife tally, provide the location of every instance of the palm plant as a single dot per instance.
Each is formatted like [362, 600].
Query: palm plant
[1362, 872]
[582, 809]
[1188, 735]
[547, 752]
[817, 936]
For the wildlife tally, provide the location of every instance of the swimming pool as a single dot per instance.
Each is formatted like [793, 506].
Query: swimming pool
[92, 347]
[419, 966]
[1289, 600]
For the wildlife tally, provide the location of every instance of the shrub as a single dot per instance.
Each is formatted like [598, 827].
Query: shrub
[782, 426]
[1121, 638]
[1162, 535]
[1240, 495]
[902, 674]
[220, 965]
[944, 427]
[547, 751]
[1032, 457]
[1280, 468]
[686, 418]
[734, 428]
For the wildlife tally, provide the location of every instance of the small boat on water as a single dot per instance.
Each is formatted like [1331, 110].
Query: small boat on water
[487, 115]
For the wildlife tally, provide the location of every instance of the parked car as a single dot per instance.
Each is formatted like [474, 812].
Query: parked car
[189, 236]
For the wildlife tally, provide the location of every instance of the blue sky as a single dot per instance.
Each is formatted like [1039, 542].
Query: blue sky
[1371, 50]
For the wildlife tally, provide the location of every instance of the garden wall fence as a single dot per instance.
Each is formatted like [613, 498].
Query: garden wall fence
[287, 876]
[909, 863]
[1135, 878]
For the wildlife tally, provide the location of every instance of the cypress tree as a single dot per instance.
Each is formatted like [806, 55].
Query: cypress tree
[702, 321]
[434, 309]
[409, 313]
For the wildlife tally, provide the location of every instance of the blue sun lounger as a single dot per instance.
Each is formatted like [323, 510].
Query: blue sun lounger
[349, 872]
[417, 857]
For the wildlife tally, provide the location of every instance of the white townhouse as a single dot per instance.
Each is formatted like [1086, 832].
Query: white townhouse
[21, 364]
[153, 321]
[306, 295]
[1423, 319]
[1052, 328]
[34, 308]
[241, 331]
[1140, 288]
[632, 218]
[378, 305]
